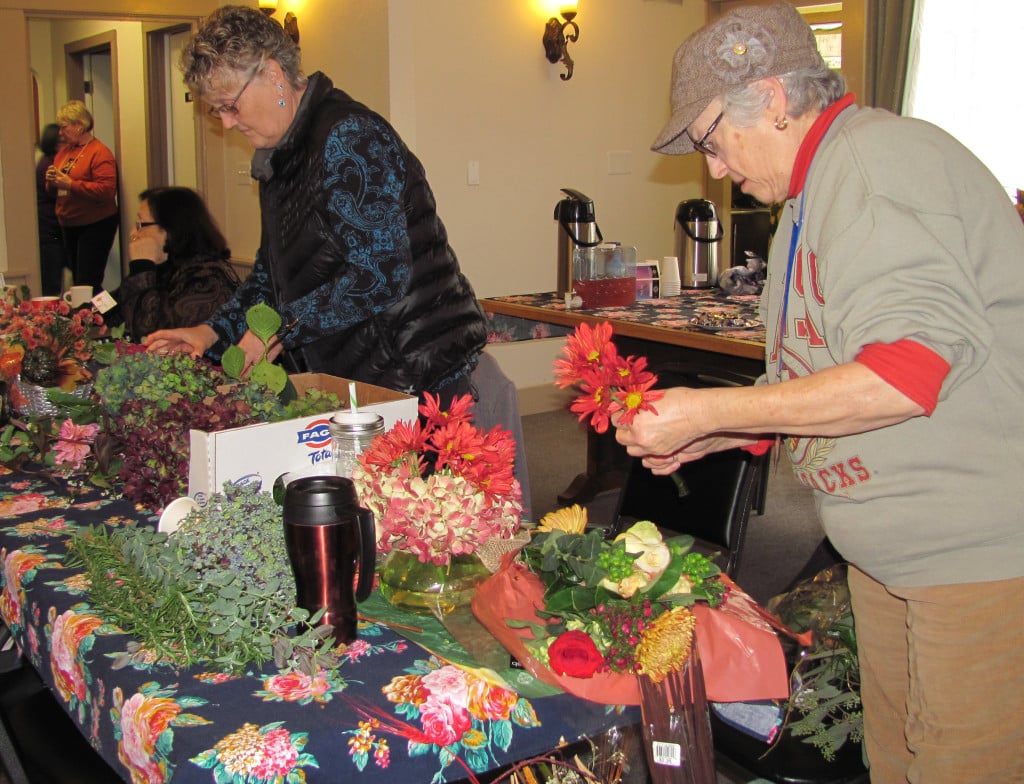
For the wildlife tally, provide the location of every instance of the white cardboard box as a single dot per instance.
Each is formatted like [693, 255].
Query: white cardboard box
[261, 453]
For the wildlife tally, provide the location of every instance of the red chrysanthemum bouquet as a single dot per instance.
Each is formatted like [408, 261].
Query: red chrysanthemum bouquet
[49, 346]
[608, 382]
[440, 489]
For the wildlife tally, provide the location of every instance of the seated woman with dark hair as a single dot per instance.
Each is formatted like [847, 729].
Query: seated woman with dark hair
[179, 271]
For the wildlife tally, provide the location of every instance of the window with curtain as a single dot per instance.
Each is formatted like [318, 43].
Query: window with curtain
[964, 76]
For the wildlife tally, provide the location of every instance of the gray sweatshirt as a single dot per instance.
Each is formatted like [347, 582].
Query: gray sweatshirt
[907, 236]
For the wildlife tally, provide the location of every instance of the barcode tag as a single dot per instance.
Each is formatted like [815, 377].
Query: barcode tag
[667, 753]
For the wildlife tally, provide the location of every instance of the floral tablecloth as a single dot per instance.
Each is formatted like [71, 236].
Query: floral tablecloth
[393, 712]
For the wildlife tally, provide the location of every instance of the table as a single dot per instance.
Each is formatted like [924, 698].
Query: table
[665, 321]
[392, 712]
[658, 329]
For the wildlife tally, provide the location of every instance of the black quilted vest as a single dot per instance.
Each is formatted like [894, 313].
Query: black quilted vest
[428, 338]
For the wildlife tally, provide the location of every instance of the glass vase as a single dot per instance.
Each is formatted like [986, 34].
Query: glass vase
[677, 726]
[429, 588]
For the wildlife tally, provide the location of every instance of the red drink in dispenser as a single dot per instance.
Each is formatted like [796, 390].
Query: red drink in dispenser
[606, 292]
[605, 276]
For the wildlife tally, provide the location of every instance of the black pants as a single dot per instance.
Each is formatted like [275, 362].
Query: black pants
[87, 248]
[52, 260]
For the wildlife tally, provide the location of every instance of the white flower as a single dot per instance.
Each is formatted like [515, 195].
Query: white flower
[643, 539]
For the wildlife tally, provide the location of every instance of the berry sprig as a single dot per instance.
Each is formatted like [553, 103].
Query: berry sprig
[624, 625]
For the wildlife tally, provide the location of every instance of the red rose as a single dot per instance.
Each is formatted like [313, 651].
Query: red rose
[574, 654]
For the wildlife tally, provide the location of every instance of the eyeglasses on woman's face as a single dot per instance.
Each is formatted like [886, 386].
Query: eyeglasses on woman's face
[231, 107]
[702, 144]
[141, 224]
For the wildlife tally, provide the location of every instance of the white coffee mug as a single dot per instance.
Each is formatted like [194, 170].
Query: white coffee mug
[76, 296]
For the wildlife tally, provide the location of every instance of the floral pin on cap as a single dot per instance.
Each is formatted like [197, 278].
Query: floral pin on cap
[739, 48]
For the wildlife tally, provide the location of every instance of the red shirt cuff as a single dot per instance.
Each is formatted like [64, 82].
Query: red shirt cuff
[761, 447]
[910, 367]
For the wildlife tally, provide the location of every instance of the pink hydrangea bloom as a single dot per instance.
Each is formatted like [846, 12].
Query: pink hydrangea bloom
[74, 443]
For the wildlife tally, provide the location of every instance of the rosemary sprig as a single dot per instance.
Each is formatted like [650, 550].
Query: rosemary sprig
[184, 618]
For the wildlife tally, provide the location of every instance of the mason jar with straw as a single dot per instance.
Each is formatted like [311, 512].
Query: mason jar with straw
[352, 431]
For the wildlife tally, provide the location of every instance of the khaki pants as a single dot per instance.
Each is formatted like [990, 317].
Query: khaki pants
[942, 680]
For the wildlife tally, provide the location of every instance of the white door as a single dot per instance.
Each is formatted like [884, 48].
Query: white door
[181, 144]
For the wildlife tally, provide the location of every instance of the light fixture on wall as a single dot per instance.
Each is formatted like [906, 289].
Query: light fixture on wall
[556, 39]
[291, 22]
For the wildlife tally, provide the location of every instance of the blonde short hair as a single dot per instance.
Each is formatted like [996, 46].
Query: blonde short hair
[73, 113]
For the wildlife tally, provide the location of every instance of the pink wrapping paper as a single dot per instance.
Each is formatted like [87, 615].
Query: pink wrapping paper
[742, 657]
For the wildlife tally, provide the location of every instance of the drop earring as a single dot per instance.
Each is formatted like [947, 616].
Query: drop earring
[280, 99]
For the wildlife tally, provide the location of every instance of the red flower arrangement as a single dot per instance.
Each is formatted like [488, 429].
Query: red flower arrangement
[608, 382]
[443, 488]
[48, 346]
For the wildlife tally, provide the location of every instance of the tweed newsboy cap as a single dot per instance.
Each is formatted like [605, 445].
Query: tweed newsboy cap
[739, 48]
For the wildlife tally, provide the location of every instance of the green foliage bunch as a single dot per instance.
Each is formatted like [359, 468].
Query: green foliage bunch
[240, 530]
[163, 380]
[824, 706]
[217, 592]
[576, 569]
[145, 405]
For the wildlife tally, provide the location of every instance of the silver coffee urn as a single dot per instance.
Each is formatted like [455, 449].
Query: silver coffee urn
[577, 228]
[698, 239]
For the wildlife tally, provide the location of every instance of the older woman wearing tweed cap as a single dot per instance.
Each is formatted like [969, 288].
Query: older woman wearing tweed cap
[893, 376]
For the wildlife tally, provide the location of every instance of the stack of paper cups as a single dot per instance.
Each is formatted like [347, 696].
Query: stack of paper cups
[670, 276]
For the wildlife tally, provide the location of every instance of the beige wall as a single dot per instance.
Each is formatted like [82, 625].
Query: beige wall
[483, 91]
[467, 81]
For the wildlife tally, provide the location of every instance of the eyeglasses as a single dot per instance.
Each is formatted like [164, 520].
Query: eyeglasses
[140, 225]
[231, 107]
[701, 144]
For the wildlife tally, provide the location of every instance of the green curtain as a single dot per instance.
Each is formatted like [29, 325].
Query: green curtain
[887, 48]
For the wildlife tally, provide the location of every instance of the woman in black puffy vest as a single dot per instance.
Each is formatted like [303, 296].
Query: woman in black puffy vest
[352, 253]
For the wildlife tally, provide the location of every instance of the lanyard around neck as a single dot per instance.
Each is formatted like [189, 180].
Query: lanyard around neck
[794, 241]
[70, 164]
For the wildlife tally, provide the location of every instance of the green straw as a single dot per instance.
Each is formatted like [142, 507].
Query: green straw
[352, 401]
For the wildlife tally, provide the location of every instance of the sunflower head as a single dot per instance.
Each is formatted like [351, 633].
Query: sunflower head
[570, 519]
[665, 644]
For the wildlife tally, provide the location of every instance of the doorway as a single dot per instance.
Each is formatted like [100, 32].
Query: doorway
[171, 113]
[90, 69]
[126, 73]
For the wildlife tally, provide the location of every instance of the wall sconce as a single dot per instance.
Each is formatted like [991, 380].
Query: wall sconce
[291, 22]
[556, 40]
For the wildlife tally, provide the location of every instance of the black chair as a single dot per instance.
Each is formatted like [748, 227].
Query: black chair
[39, 742]
[790, 762]
[711, 498]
